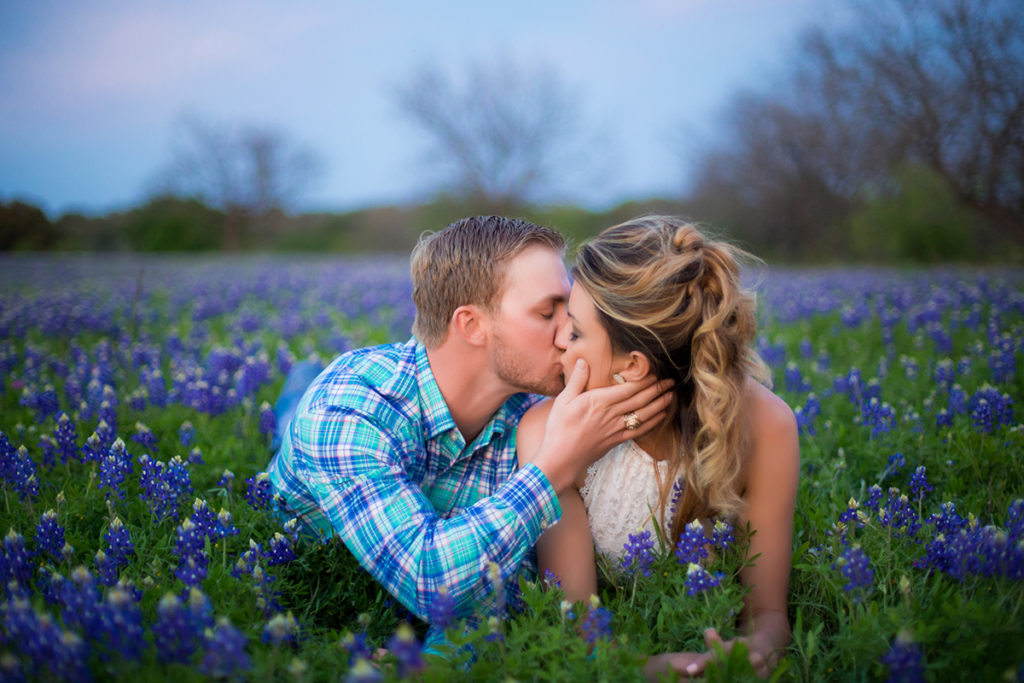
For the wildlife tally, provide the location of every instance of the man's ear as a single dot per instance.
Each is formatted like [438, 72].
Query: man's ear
[637, 366]
[469, 324]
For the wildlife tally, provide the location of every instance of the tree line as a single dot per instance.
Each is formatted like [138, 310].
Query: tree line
[896, 134]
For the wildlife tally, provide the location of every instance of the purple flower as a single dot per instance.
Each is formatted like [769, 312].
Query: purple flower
[186, 434]
[281, 629]
[904, 660]
[17, 562]
[50, 536]
[598, 624]
[119, 542]
[204, 519]
[441, 610]
[279, 550]
[176, 631]
[639, 554]
[856, 567]
[164, 485]
[406, 649]
[66, 436]
[691, 547]
[225, 654]
[114, 469]
[919, 485]
[722, 535]
[258, 492]
[699, 579]
[120, 626]
[268, 421]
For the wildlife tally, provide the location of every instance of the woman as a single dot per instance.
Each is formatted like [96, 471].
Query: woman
[654, 295]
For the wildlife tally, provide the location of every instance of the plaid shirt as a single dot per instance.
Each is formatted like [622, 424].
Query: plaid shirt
[373, 455]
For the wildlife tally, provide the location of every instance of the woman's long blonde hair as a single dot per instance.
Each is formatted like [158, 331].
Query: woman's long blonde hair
[662, 288]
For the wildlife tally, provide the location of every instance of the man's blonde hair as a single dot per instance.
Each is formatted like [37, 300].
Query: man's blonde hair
[465, 264]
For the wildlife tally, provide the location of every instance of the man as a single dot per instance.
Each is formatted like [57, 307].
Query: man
[407, 451]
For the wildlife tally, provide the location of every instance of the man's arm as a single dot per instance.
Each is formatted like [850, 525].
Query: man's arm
[352, 468]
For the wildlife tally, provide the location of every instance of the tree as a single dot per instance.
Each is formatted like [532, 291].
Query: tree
[946, 78]
[501, 134]
[894, 84]
[246, 171]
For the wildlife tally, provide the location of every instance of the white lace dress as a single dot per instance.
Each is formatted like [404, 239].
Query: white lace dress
[620, 492]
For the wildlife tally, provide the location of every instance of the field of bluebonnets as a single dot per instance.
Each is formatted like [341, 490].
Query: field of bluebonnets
[139, 545]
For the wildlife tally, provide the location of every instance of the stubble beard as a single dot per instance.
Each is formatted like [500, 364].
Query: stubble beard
[514, 370]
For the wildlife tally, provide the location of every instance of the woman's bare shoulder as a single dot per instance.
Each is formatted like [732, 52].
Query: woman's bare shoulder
[768, 414]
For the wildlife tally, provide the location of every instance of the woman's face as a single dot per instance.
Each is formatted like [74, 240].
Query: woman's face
[583, 336]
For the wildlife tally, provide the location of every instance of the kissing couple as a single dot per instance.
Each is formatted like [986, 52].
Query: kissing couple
[438, 458]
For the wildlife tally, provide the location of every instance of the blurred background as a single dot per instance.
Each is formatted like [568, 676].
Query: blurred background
[805, 130]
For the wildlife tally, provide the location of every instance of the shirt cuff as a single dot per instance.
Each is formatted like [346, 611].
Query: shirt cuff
[533, 498]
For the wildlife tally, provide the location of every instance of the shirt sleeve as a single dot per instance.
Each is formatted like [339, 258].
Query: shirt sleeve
[352, 467]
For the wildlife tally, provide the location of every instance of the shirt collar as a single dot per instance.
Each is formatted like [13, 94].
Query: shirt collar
[437, 418]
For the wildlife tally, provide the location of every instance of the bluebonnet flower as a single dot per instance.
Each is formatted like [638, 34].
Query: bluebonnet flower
[225, 525]
[794, 379]
[877, 415]
[195, 456]
[144, 435]
[21, 474]
[164, 485]
[957, 403]
[225, 654]
[51, 652]
[80, 600]
[248, 560]
[406, 649]
[806, 414]
[258, 492]
[279, 550]
[114, 469]
[156, 388]
[204, 519]
[943, 373]
[176, 631]
[48, 446]
[281, 629]
[897, 461]
[356, 646]
[186, 434]
[192, 570]
[905, 660]
[226, 480]
[806, 348]
[119, 542]
[639, 554]
[65, 434]
[722, 535]
[598, 624]
[441, 610]
[874, 497]
[989, 409]
[49, 536]
[120, 625]
[919, 485]
[854, 564]
[1015, 519]
[363, 671]
[699, 579]
[268, 421]
[17, 562]
[691, 548]
[948, 521]
[108, 413]
[106, 435]
[550, 579]
[106, 568]
[899, 515]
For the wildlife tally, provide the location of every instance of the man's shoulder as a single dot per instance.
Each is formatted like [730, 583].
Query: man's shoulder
[386, 370]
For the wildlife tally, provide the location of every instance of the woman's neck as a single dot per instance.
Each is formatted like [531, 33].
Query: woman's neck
[655, 447]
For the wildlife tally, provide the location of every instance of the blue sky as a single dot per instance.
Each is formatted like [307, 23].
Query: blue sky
[90, 93]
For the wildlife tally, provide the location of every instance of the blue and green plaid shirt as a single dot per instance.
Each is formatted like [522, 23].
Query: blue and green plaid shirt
[373, 455]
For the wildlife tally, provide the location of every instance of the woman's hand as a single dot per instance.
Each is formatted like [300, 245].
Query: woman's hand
[762, 655]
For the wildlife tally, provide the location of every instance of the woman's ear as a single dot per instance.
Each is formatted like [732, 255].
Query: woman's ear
[469, 325]
[636, 367]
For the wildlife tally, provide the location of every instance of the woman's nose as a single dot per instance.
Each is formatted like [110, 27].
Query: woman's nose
[562, 335]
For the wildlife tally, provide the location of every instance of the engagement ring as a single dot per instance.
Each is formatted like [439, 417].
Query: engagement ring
[632, 421]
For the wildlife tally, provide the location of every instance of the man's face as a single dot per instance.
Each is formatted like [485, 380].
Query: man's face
[530, 313]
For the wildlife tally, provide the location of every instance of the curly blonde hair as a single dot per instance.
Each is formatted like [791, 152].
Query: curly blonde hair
[663, 288]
